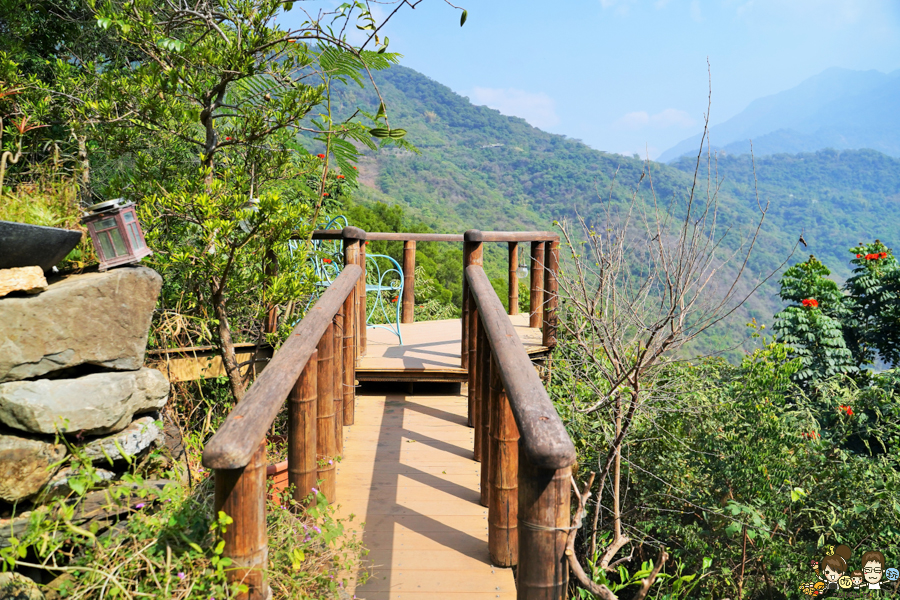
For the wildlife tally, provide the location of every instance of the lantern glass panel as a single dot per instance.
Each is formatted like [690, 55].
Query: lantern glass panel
[118, 242]
[105, 245]
[105, 224]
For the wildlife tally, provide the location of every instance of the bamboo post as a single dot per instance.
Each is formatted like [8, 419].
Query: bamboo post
[472, 255]
[466, 303]
[302, 470]
[409, 282]
[337, 368]
[361, 295]
[241, 494]
[513, 296]
[551, 294]
[475, 398]
[544, 504]
[537, 280]
[484, 370]
[325, 430]
[351, 335]
[503, 504]
[348, 404]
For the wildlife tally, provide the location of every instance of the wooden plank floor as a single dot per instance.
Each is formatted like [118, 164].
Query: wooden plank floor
[430, 351]
[408, 474]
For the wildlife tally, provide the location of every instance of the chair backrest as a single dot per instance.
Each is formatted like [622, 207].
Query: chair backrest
[327, 255]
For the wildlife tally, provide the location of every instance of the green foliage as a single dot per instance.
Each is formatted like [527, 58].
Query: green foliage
[744, 448]
[840, 331]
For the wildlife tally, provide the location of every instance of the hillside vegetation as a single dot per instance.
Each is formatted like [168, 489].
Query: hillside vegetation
[478, 168]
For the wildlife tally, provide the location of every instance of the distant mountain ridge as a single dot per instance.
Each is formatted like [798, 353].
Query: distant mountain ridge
[838, 108]
[478, 168]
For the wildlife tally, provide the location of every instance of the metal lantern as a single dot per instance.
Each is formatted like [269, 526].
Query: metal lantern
[522, 271]
[116, 233]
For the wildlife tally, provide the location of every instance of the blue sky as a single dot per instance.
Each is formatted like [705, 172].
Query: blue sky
[631, 75]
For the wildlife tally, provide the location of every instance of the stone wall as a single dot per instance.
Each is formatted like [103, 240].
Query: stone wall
[71, 363]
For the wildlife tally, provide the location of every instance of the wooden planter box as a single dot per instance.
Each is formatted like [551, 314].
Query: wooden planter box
[278, 475]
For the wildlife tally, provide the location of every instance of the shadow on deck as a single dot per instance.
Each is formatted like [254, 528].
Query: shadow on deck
[409, 474]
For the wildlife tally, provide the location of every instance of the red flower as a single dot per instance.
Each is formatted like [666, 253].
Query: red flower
[356, 169]
[325, 194]
[367, 243]
[871, 256]
[847, 409]
[859, 256]
[228, 138]
[810, 302]
[326, 260]
[341, 177]
[394, 300]
[882, 255]
[320, 155]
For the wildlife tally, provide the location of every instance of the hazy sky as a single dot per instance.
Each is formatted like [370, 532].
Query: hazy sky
[630, 75]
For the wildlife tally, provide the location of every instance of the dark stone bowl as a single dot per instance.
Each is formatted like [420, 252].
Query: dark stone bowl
[23, 245]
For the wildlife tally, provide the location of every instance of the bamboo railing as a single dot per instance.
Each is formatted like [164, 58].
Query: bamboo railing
[539, 240]
[524, 449]
[314, 371]
[525, 452]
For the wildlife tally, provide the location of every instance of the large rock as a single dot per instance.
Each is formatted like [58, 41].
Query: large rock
[132, 440]
[95, 319]
[94, 404]
[26, 465]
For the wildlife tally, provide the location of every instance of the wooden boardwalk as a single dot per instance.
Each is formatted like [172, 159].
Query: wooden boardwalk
[430, 351]
[408, 474]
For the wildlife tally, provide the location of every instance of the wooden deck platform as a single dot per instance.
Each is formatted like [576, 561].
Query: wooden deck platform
[408, 474]
[430, 351]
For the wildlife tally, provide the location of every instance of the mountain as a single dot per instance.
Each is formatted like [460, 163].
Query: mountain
[838, 108]
[478, 168]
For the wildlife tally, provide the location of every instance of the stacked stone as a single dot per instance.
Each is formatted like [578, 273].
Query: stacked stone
[71, 362]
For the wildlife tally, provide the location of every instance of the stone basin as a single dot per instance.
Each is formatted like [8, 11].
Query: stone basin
[23, 245]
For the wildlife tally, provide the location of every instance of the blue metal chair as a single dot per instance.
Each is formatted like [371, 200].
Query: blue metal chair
[384, 277]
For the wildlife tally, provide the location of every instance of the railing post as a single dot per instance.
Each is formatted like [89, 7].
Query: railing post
[351, 335]
[551, 294]
[361, 294]
[472, 255]
[503, 504]
[481, 346]
[241, 494]
[409, 282]
[337, 367]
[325, 430]
[302, 470]
[513, 294]
[484, 368]
[544, 504]
[348, 404]
[537, 281]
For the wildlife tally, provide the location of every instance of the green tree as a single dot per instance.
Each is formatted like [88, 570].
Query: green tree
[812, 324]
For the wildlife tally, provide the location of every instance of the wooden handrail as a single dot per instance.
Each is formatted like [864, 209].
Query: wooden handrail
[525, 452]
[488, 236]
[544, 437]
[239, 437]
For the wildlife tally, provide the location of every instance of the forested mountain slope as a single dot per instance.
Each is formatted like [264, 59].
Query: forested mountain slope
[478, 168]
